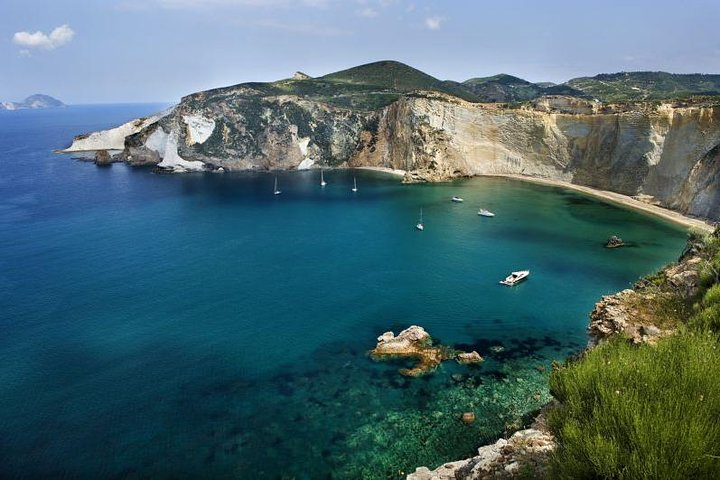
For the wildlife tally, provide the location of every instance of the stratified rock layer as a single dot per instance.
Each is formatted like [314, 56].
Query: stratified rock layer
[666, 154]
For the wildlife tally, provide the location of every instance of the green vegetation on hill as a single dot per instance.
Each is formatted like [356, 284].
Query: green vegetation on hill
[376, 85]
[398, 77]
[506, 88]
[503, 88]
[646, 412]
[634, 86]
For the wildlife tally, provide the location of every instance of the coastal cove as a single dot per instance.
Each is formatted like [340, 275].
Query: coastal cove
[158, 325]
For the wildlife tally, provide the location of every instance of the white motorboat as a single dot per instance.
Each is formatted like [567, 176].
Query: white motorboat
[420, 225]
[457, 199]
[515, 277]
[354, 188]
[322, 179]
[275, 190]
[485, 213]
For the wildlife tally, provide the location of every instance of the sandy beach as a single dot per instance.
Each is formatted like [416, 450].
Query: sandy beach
[391, 171]
[620, 199]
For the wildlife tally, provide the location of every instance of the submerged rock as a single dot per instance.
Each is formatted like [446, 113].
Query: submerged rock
[469, 357]
[468, 418]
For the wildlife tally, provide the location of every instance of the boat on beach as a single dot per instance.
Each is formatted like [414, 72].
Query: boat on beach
[457, 199]
[515, 277]
[485, 213]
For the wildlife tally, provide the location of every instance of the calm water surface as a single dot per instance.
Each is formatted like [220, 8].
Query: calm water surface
[156, 326]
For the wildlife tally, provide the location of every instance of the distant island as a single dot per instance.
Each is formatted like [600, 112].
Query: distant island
[33, 102]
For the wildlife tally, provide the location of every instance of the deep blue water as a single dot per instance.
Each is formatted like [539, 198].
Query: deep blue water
[196, 325]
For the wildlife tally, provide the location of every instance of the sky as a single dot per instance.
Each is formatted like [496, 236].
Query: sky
[106, 51]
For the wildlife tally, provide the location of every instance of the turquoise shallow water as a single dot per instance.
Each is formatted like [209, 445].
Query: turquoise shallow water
[172, 326]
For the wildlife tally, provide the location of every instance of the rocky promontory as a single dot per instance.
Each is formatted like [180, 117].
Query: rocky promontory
[392, 116]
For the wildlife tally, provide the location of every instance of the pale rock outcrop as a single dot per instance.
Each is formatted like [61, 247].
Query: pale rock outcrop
[525, 452]
[199, 128]
[634, 312]
[112, 139]
[414, 342]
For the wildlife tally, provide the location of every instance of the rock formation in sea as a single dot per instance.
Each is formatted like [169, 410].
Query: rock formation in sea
[415, 343]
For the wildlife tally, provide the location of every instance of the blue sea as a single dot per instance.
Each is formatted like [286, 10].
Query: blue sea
[176, 326]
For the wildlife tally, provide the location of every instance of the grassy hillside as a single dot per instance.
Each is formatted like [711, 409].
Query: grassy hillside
[647, 412]
[397, 77]
[634, 86]
[507, 88]
[375, 85]
[503, 88]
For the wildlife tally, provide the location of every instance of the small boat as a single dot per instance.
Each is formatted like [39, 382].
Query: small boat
[457, 199]
[322, 179]
[485, 213]
[276, 191]
[354, 188]
[420, 225]
[515, 277]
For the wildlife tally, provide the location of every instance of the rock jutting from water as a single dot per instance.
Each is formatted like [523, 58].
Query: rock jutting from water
[414, 342]
[614, 242]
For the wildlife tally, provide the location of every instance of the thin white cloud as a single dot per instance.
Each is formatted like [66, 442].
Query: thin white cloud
[302, 28]
[204, 4]
[57, 38]
[368, 12]
[434, 23]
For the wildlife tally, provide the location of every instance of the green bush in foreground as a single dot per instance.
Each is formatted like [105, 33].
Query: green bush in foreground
[648, 412]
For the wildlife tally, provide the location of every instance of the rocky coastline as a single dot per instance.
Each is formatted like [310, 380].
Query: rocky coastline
[635, 313]
[662, 154]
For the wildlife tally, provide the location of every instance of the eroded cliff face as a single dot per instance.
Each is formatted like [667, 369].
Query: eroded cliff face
[664, 154]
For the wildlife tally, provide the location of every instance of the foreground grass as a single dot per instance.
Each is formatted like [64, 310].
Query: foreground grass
[646, 412]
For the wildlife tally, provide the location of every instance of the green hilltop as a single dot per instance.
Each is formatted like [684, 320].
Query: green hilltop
[378, 84]
[639, 86]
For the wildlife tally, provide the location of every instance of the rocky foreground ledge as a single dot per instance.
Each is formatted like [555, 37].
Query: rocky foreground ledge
[526, 452]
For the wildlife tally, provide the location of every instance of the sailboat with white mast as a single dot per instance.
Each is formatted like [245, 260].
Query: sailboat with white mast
[322, 179]
[275, 190]
[354, 188]
[420, 225]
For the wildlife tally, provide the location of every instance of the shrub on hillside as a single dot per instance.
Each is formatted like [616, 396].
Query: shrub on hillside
[645, 412]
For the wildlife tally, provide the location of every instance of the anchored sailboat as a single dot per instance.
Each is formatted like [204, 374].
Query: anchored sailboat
[354, 188]
[322, 179]
[276, 191]
[420, 225]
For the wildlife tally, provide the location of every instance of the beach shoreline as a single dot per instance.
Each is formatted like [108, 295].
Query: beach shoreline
[616, 198]
[391, 171]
